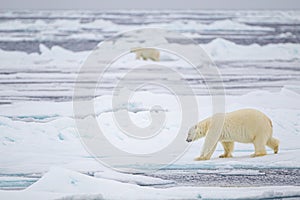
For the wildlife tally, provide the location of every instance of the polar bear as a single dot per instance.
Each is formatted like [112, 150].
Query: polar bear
[244, 126]
[146, 53]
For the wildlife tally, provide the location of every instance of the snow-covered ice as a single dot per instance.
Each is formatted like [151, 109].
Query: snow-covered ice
[219, 49]
[24, 129]
[60, 183]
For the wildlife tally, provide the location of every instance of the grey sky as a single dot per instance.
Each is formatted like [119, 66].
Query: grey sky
[149, 4]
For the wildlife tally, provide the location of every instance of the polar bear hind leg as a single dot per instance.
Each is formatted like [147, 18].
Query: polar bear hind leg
[260, 147]
[273, 143]
[228, 149]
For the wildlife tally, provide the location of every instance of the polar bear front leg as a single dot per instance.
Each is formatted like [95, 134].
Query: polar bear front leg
[228, 149]
[138, 55]
[205, 155]
[210, 144]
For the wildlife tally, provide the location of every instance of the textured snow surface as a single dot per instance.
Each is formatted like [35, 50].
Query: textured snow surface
[60, 183]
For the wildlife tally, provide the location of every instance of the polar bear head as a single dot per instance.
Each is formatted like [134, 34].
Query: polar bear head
[196, 132]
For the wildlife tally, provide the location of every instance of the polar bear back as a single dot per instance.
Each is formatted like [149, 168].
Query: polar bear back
[245, 126]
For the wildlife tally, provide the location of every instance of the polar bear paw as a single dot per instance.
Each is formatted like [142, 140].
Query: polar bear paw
[200, 158]
[225, 156]
[258, 154]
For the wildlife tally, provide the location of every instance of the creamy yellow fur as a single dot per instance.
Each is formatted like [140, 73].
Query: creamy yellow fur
[244, 126]
[146, 53]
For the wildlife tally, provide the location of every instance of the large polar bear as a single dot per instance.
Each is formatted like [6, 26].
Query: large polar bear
[245, 126]
[146, 53]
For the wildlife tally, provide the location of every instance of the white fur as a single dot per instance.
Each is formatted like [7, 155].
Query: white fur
[244, 126]
[146, 53]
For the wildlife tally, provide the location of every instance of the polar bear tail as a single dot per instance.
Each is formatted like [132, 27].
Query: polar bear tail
[273, 143]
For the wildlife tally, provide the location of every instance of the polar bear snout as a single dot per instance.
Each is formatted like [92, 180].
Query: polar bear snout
[191, 134]
[188, 140]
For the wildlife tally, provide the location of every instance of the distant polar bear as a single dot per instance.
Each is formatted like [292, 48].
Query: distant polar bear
[146, 53]
[245, 126]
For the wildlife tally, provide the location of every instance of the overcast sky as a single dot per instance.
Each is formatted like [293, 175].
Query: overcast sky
[149, 4]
